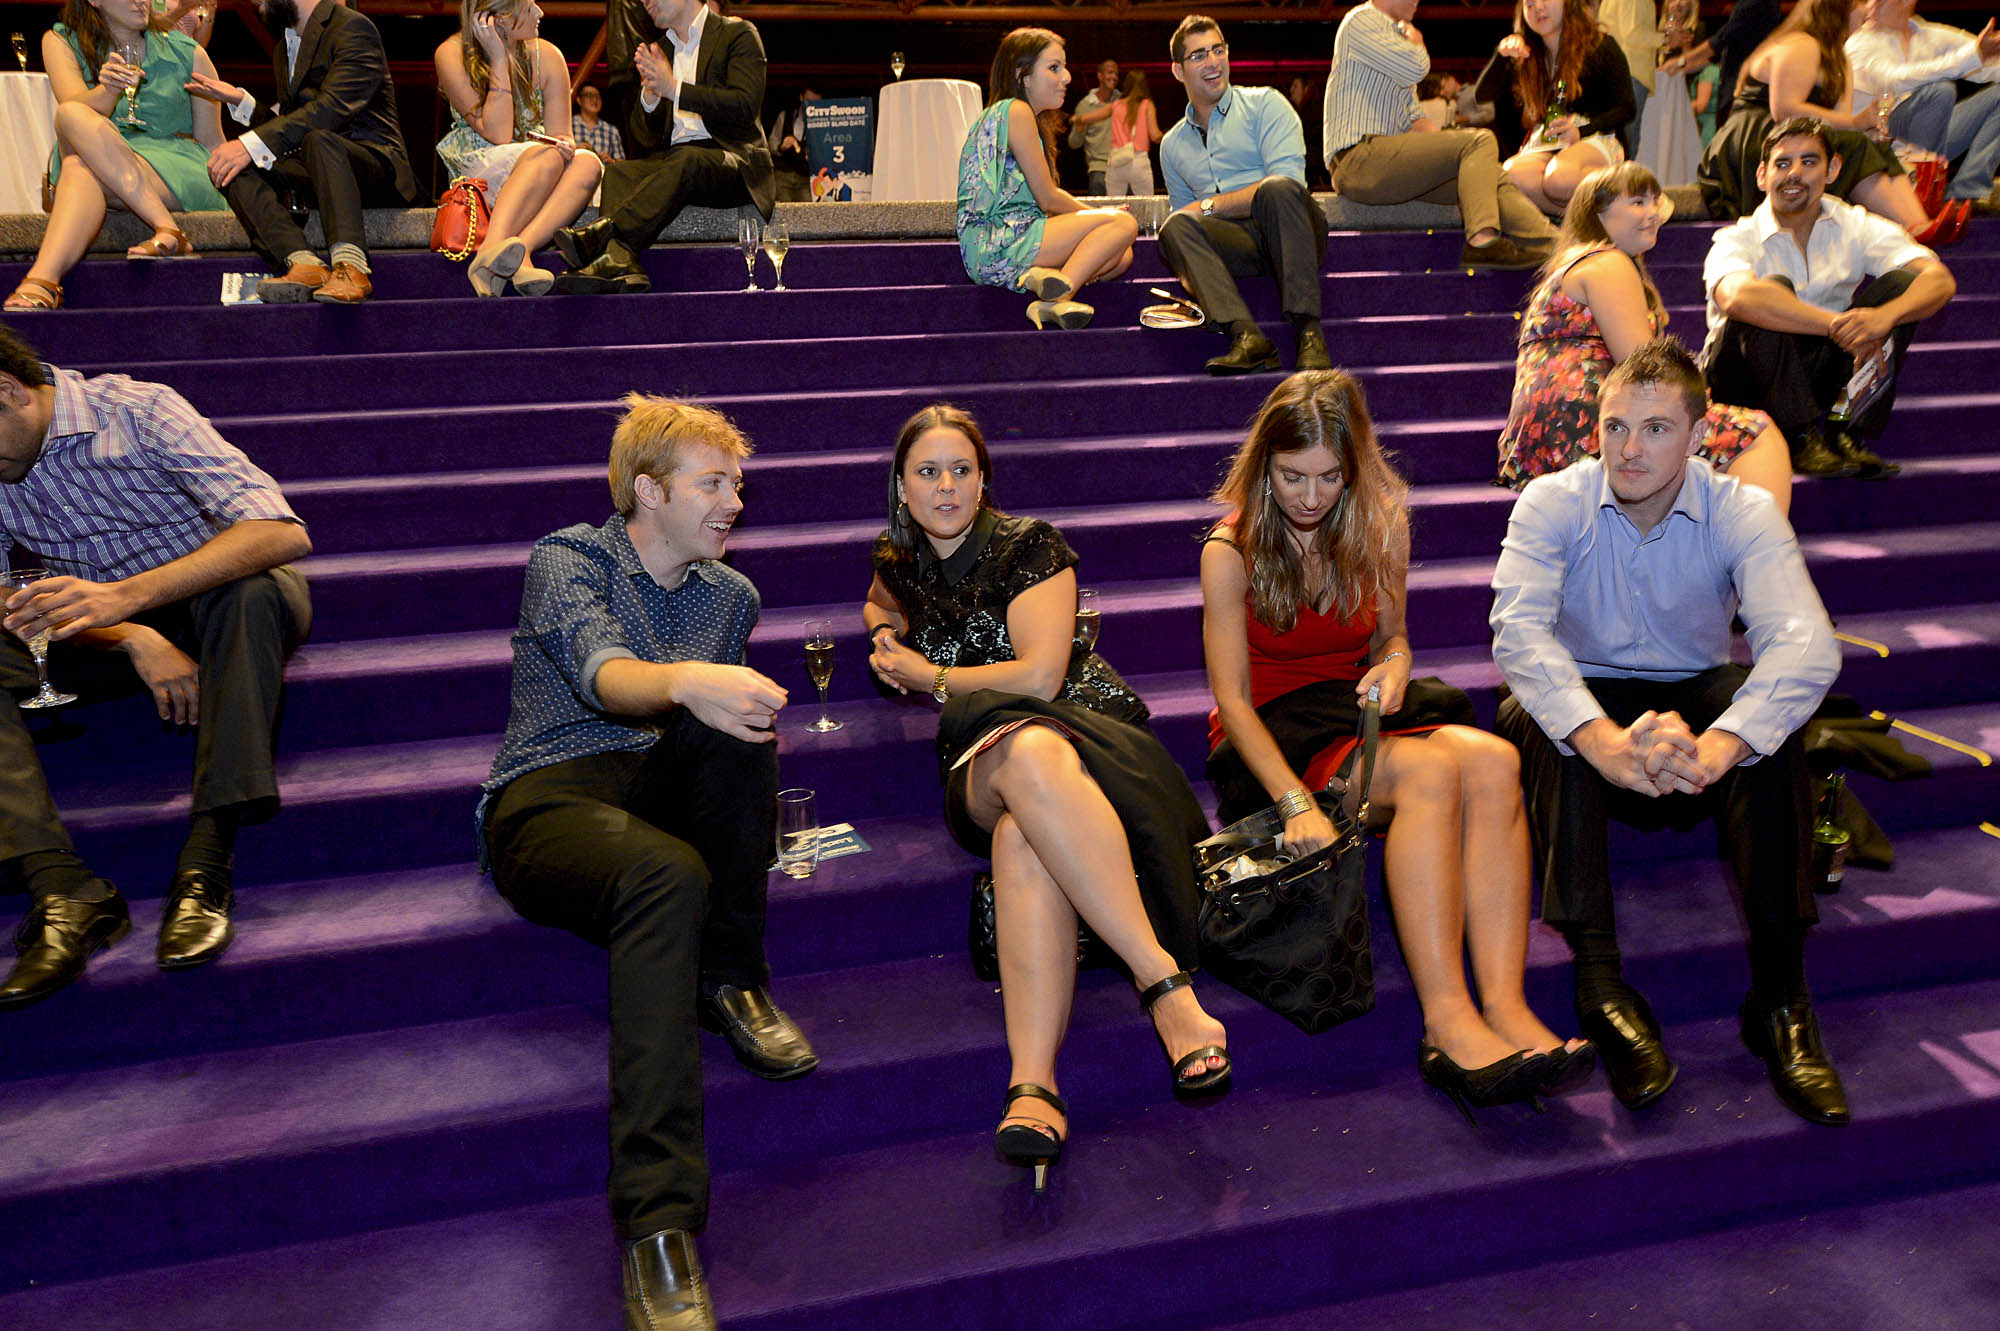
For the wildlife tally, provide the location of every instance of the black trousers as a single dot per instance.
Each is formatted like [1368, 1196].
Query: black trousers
[642, 197]
[1762, 810]
[1795, 377]
[660, 858]
[239, 635]
[1284, 237]
[340, 175]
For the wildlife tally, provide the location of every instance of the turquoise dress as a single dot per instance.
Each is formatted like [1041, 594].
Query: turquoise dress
[999, 223]
[467, 152]
[167, 143]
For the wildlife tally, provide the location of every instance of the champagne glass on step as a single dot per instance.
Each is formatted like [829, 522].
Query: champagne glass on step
[819, 664]
[134, 54]
[748, 237]
[38, 645]
[777, 239]
[1088, 619]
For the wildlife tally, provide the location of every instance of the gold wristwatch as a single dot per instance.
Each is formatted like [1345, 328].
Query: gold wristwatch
[939, 689]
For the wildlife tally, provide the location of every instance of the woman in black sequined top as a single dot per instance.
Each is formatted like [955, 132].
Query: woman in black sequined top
[1047, 762]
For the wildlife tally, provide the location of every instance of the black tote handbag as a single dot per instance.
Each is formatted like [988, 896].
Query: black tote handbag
[1293, 933]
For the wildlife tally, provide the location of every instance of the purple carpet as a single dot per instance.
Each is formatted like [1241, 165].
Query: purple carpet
[384, 1108]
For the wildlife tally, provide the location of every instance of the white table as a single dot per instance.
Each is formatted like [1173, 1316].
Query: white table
[28, 112]
[919, 131]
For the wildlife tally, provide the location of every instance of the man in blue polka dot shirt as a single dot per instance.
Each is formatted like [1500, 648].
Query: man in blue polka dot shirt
[633, 802]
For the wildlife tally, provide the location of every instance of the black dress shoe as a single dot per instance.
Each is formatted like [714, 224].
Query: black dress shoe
[1250, 352]
[765, 1040]
[1812, 455]
[582, 246]
[664, 1287]
[1867, 463]
[1627, 1039]
[56, 939]
[1312, 350]
[1788, 1041]
[617, 271]
[1499, 253]
[194, 926]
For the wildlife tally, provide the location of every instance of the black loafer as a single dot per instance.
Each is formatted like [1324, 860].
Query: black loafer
[1788, 1040]
[582, 246]
[1312, 350]
[1812, 455]
[194, 925]
[615, 272]
[765, 1040]
[1247, 354]
[55, 941]
[1627, 1039]
[664, 1287]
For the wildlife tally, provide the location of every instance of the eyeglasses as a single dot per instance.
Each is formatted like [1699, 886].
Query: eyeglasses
[1207, 54]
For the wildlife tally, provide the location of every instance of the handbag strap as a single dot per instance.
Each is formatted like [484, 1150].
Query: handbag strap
[1371, 733]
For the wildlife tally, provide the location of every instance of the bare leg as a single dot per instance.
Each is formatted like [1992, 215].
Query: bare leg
[1767, 464]
[1565, 172]
[119, 170]
[1035, 776]
[1894, 198]
[1090, 245]
[1527, 171]
[1036, 928]
[528, 187]
[1423, 863]
[569, 197]
[74, 220]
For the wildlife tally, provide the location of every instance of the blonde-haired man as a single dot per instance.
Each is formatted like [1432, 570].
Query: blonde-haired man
[633, 802]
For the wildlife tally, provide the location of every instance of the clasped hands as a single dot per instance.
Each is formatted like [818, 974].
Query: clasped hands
[1658, 754]
[656, 72]
[899, 665]
[1861, 332]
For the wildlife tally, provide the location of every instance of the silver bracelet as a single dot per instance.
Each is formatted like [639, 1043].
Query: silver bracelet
[1294, 802]
[1392, 656]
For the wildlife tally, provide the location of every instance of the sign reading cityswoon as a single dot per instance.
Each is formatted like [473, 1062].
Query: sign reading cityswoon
[840, 147]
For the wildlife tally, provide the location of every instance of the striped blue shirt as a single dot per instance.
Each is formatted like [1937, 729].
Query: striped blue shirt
[1372, 86]
[130, 477]
[1252, 133]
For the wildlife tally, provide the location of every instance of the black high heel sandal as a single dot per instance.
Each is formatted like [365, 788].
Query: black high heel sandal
[1214, 1079]
[1513, 1079]
[1029, 1143]
[1568, 1068]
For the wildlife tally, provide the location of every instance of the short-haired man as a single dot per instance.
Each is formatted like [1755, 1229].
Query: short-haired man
[1897, 52]
[633, 802]
[1382, 150]
[694, 133]
[593, 131]
[170, 549]
[1236, 180]
[1090, 125]
[1611, 623]
[1805, 292]
[331, 137]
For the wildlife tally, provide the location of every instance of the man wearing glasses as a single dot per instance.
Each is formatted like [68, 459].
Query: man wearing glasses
[1381, 150]
[1236, 180]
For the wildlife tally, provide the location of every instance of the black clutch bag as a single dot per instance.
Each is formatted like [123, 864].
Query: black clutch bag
[1290, 932]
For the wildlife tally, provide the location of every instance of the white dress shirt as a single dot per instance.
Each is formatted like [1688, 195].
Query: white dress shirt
[687, 125]
[263, 157]
[1936, 54]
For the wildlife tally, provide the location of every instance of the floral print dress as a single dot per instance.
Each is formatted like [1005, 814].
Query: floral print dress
[999, 223]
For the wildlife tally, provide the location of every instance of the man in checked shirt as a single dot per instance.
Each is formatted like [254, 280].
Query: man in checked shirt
[166, 548]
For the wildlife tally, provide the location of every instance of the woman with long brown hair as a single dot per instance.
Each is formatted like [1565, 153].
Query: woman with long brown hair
[1570, 92]
[1303, 587]
[1017, 227]
[509, 95]
[1135, 128]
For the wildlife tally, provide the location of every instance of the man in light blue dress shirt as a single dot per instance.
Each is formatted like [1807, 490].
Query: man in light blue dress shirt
[1236, 180]
[1611, 623]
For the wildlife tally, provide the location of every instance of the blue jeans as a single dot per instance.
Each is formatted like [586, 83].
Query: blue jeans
[1933, 119]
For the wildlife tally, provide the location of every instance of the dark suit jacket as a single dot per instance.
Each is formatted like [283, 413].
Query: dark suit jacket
[340, 83]
[728, 95]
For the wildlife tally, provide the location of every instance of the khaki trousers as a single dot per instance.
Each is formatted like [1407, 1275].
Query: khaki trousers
[1460, 166]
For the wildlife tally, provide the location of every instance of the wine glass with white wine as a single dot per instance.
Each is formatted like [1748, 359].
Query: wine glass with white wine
[777, 239]
[896, 63]
[748, 238]
[21, 579]
[1087, 619]
[819, 664]
[21, 51]
[134, 54]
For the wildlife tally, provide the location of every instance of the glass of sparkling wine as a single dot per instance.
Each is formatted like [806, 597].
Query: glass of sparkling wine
[21, 51]
[1087, 619]
[777, 239]
[38, 645]
[819, 663]
[896, 63]
[749, 235]
[134, 54]
[798, 833]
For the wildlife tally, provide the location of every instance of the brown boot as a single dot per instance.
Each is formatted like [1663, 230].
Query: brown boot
[295, 287]
[348, 286]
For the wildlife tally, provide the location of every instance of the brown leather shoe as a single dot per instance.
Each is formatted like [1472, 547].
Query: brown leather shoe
[348, 286]
[295, 287]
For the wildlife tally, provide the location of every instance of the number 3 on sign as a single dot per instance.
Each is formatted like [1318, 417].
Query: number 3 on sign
[839, 152]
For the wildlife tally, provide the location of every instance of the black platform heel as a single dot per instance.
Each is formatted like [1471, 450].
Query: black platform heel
[1513, 1079]
[1214, 1079]
[1568, 1068]
[1031, 1144]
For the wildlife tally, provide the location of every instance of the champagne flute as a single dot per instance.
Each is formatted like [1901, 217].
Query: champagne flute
[134, 54]
[798, 833]
[38, 646]
[819, 664]
[896, 63]
[1087, 619]
[777, 239]
[748, 237]
[21, 51]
